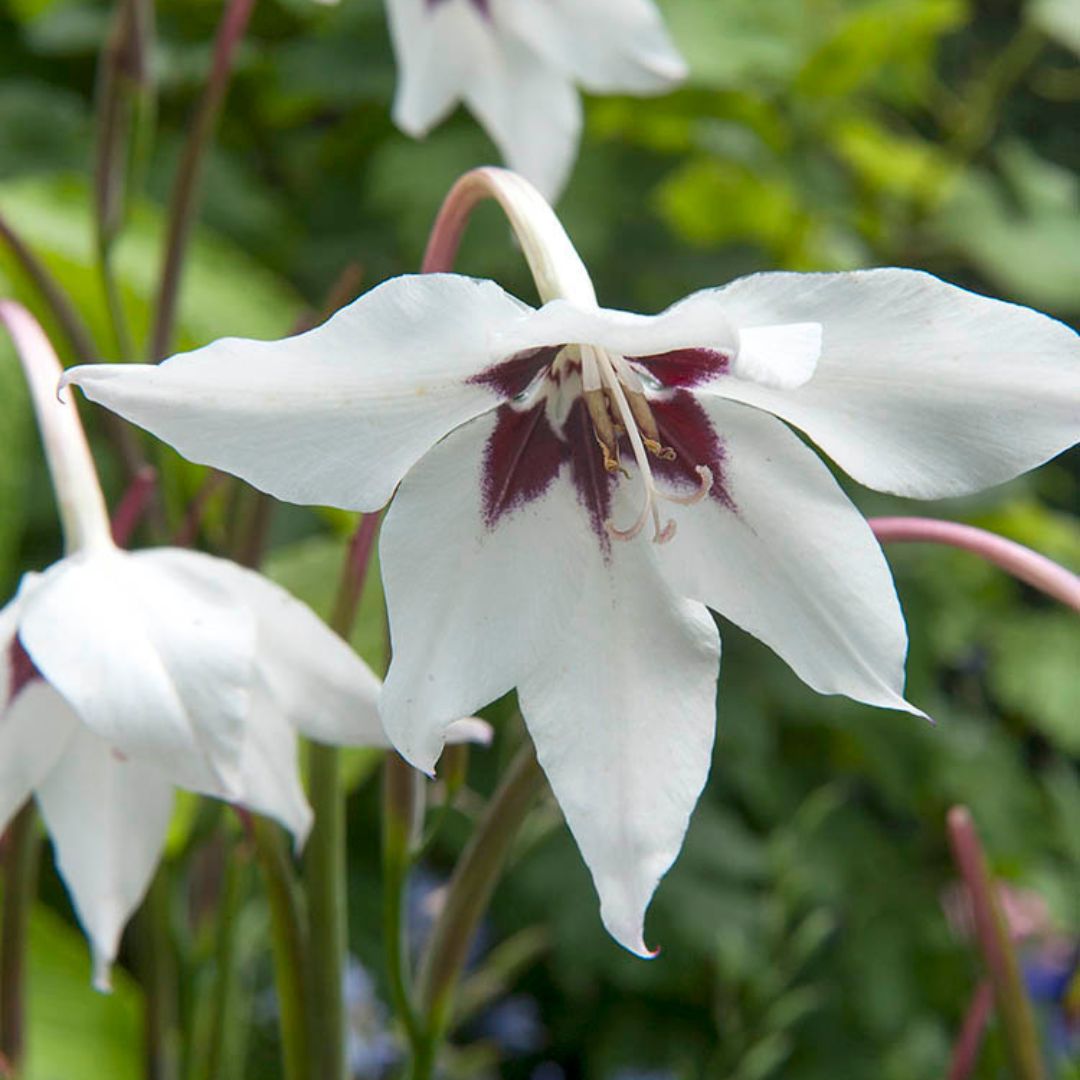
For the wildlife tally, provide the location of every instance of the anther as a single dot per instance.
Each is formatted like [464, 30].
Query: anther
[664, 453]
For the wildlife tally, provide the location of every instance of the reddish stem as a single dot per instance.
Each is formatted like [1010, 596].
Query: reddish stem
[969, 1042]
[133, 505]
[186, 187]
[1003, 968]
[1024, 564]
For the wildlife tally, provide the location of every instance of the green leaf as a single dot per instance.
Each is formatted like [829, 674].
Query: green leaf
[224, 292]
[1023, 230]
[1035, 672]
[74, 1031]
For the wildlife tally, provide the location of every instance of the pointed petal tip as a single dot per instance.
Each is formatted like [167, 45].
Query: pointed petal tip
[102, 971]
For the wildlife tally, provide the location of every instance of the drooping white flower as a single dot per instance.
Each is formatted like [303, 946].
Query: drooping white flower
[517, 64]
[123, 674]
[535, 453]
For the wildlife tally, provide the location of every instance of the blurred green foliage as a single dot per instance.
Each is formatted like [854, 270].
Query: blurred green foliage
[802, 928]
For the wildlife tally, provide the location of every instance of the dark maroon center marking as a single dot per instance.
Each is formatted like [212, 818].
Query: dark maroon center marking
[522, 457]
[592, 481]
[524, 453]
[684, 367]
[514, 376]
[21, 671]
[684, 426]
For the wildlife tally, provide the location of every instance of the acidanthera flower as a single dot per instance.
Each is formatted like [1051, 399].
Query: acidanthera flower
[516, 65]
[124, 674]
[577, 486]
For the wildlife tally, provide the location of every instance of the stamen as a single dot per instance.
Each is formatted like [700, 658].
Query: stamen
[664, 453]
[706, 478]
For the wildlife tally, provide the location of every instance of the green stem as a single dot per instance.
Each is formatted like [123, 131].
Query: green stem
[1014, 1008]
[125, 348]
[467, 898]
[324, 866]
[399, 801]
[327, 926]
[186, 186]
[157, 969]
[20, 883]
[289, 942]
[220, 1063]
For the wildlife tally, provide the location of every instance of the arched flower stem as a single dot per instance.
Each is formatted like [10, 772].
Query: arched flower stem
[1021, 562]
[556, 267]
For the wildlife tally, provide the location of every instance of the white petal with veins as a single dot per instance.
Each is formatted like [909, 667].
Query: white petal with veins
[337, 415]
[922, 388]
[793, 562]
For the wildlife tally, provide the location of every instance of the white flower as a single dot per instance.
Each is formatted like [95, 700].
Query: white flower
[538, 451]
[124, 674]
[516, 65]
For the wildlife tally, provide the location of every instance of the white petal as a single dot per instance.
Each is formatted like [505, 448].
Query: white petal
[922, 388]
[437, 48]
[336, 415]
[471, 609]
[700, 321]
[616, 675]
[609, 46]
[270, 767]
[157, 664]
[34, 732]
[623, 712]
[783, 357]
[531, 111]
[794, 563]
[108, 818]
[315, 679]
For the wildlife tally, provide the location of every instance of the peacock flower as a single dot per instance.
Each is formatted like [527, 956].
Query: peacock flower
[576, 487]
[516, 65]
[126, 674]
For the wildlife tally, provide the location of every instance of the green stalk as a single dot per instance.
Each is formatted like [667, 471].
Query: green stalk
[467, 898]
[220, 1063]
[157, 969]
[399, 802]
[324, 867]
[20, 884]
[324, 871]
[289, 941]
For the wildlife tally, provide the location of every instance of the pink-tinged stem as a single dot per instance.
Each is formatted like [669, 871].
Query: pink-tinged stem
[186, 186]
[133, 505]
[556, 267]
[991, 931]
[1024, 564]
[969, 1042]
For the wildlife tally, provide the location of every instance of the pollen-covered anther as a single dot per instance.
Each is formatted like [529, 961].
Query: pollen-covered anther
[664, 453]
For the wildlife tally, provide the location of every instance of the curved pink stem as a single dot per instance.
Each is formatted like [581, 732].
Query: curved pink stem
[1024, 564]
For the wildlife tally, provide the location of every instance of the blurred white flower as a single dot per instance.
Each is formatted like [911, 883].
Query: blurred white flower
[516, 64]
[532, 452]
[125, 673]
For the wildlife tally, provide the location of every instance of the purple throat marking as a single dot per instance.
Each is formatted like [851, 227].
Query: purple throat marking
[524, 453]
[21, 670]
